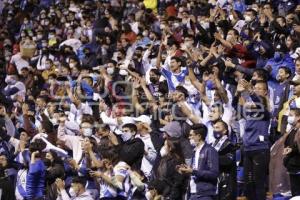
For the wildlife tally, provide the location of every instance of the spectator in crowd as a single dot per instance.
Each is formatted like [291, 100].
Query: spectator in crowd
[291, 152]
[227, 162]
[205, 166]
[111, 96]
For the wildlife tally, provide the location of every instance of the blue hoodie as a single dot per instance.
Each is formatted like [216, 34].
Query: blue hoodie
[35, 185]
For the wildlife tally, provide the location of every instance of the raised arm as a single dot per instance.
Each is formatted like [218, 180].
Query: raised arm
[198, 85]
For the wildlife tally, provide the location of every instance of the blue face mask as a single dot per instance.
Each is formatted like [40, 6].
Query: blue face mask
[217, 134]
[277, 56]
[210, 85]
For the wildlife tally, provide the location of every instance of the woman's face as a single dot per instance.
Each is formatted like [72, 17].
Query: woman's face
[289, 42]
[49, 156]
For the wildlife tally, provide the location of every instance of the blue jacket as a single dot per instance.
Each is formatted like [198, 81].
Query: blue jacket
[256, 136]
[207, 173]
[287, 61]
[35, 185]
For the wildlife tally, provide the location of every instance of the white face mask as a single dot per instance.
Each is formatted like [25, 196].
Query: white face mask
[176, 25]
[110, 70]
[126, 136]
[145, 34]
[162, 26]
[193, 143]
[231, 17]
[291, 120]
[205, 25]
[72, 65]
[123, 72]
[229, 37]
[247, 18]
[163, 151]
[9, 80]
[87, 132]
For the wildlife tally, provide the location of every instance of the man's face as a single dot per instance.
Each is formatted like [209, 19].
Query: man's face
[24, 136]
[281, 75]
[76, 188]
[296, 90]
[194, 136]
[230, 36]
[40, 103]
[214, 114]
[280, 21]
[3, 161]
[85, 128]
[174, 65]
[24, 72]
[51, 107]
[260, 89]
[188, 42]
[102, 132]
[219, 128]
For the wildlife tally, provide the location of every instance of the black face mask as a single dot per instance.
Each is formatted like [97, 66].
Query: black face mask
[138, 55]
[153, 80]
[253, 82]
[47, 162]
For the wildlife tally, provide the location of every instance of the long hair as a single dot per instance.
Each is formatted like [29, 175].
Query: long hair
[175, 149]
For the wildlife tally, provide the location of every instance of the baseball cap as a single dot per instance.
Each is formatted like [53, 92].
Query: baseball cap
[173, 129]
[143, 118]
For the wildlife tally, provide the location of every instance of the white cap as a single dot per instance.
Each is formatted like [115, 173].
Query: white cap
[143, 118]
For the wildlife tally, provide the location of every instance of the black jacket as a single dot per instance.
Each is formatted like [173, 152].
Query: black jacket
[227, 178]
[175, 183]
[292, 160]
[132, 153]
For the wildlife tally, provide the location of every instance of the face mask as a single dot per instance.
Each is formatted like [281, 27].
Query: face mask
[231, 17]
[126, 136]
[145, 34]
[148, 195]
[123, 72]
[162, 26]
[51, 36]
[217, 134]
[205, 25]
[163, 151]
[47, 66]
[291, 120]
[192, 142]
[25, 22]
[72, 65]
[9, 80]
[176, 25]
[210, 85]
[110, 70]
[87, 132]
[277, 56]
[247, 18]
[47, 162]
[153, 80]
[253, 82]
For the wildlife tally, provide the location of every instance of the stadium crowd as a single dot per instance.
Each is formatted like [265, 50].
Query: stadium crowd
[149, 99]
